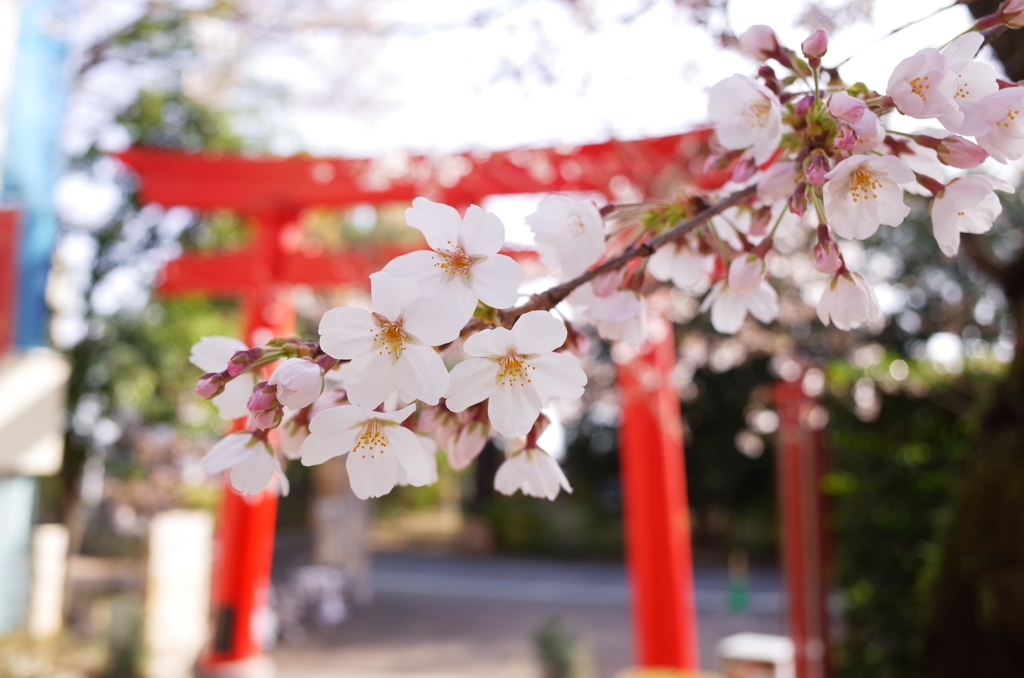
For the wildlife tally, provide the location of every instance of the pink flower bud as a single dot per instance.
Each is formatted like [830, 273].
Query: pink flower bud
[243, 360]
[264, 396]
[844, 107]
[959, 152]
[268, 418]
[846, 139]
[798, 201]
[210, 385]
[759, 42]
[1012, 12]
[759, 221]
[744, 170]
[803, 105]
[817, 168]
[827, 258]
[816, 44]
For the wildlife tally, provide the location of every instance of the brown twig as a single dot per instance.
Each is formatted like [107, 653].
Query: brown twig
[550, 298]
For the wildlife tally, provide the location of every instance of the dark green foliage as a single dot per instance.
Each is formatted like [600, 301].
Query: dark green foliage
[890, 484]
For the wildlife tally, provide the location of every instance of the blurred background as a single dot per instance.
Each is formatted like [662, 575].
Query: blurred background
[106, 519]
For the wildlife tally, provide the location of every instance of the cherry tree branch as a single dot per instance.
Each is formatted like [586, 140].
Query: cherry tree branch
[548, 299]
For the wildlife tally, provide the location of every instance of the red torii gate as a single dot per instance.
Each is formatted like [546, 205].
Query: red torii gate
[274, 192]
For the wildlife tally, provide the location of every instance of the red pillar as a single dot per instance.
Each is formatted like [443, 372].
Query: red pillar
[800, 465]
[657, 520]
[245, 534]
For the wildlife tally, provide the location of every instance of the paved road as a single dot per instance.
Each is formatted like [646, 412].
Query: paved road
[439, 617]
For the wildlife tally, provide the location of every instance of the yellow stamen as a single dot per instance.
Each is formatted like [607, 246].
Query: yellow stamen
[372, 440]
[391, 337]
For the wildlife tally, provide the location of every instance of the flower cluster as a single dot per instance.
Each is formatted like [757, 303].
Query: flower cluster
[450, 352]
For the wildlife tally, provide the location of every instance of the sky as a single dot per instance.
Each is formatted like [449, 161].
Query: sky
[531, 73]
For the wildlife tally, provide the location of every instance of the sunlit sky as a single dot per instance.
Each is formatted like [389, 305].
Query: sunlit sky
[530, 75]
[452, 89]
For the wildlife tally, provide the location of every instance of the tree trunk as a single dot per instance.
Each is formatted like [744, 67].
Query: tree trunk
[974, 623]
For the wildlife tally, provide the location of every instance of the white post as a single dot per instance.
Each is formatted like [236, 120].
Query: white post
[177, 592]
[49, 569]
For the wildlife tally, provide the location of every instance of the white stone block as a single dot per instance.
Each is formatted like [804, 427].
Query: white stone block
[49, 571]
[756, 655]
[32, 400]
[176, 624]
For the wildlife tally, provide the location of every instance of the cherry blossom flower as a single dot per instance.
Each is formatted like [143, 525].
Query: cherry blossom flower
[744, 290]
[923, 86]
[996, 123]
[849, 109]
[299, 382]
[870, 133]
[295, 428]
[252, 463]
[376, 446]
[864, 191]
[464, 265]
[848, 302]
[533, 472]
[211, 354]
[516, 371]
[966, 205]
[617, 315]
[777, 183]
[390, 348]
[975, 80]
[759, 42]
[746, 115]
[682, 263]
[569, 233]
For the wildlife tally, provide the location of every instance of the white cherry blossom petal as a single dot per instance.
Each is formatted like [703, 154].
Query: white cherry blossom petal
[253, 475]
[513, 409]
[728, 312]
[440, 320]
[439, 223]
[472, 381]
[211, 354]
[481, 233]
[538, 332]
[231, 403]
[422, 267]
[404, 446]
[317, 449]
[390, 294]
[421, 375]
[557, 375]
[347, 332]
[371, 379]
[372, 477]
[495, 280]
[485, 343]
[334, 421]
[764, 303]
[228, 451]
